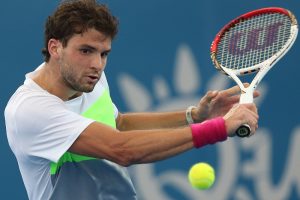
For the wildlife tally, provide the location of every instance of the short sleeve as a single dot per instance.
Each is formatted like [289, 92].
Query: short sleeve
[46, 128]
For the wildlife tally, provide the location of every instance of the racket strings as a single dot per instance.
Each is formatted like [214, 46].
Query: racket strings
[253, 40]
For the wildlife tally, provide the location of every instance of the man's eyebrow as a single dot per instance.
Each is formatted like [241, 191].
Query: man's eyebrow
[107, 51]
[88, 47]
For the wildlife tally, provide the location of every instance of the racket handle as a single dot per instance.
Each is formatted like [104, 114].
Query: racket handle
[243, 131]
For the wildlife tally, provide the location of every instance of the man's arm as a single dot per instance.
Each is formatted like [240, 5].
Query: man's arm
[148, 120]
[129, 147]
[213, 104]
[143, 146]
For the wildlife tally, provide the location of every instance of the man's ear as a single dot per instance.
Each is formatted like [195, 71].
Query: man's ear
[54, 48]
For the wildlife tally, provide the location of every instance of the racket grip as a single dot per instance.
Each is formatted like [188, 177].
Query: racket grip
[243, 131]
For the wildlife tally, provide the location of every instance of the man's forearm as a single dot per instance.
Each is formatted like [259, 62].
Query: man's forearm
[144, 121]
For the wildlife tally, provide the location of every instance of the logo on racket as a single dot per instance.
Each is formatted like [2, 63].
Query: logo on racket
[255, 39]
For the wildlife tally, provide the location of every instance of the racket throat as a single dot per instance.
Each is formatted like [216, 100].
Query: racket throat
[246, 97]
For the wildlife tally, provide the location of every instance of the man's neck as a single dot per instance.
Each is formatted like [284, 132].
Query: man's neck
[49, 78]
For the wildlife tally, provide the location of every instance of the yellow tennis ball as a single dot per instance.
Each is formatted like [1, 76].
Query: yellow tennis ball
[201, 176]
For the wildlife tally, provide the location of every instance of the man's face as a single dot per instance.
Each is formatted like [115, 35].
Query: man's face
[84, 58]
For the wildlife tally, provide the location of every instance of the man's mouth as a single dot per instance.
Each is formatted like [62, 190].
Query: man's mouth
[93, 78]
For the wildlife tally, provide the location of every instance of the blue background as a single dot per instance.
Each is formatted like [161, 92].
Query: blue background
[162, 51]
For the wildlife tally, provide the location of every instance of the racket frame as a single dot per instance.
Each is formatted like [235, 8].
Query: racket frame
[261, 68]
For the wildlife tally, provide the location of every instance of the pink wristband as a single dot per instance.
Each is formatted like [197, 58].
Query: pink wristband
[209, 132]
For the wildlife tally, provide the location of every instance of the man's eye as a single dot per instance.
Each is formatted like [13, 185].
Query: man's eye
[104, 54]
[85, 51]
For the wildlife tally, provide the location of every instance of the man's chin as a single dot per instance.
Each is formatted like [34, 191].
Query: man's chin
[88, 89]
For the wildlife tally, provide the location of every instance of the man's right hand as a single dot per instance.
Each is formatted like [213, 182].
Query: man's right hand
[241, 114]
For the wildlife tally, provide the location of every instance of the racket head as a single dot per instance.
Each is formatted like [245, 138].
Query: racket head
[254, 40]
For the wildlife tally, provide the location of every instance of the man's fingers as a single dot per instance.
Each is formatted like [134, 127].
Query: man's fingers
[210, 95]
[252, 107]
[246, 85]
[233, 100]
[256, 94]
[232, 91]
[236, 90]
[250, 113]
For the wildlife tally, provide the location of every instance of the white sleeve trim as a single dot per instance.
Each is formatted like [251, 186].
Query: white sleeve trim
[69, 142]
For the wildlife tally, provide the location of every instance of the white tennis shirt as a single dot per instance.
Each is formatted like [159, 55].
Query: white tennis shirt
[41, 128]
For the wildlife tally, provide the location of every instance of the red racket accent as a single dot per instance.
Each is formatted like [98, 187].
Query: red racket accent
[247, 16]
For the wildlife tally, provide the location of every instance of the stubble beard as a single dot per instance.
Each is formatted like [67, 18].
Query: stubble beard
[69, 78]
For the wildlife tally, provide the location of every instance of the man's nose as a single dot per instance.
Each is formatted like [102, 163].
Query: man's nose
[98, 62]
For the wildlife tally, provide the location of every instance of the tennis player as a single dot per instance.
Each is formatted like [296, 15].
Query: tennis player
[70, 140]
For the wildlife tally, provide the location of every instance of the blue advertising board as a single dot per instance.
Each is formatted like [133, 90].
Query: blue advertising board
[159, 62]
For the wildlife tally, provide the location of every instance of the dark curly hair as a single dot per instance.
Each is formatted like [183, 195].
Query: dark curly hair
[76, 17]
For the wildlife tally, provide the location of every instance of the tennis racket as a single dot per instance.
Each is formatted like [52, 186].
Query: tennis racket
[252, 44]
